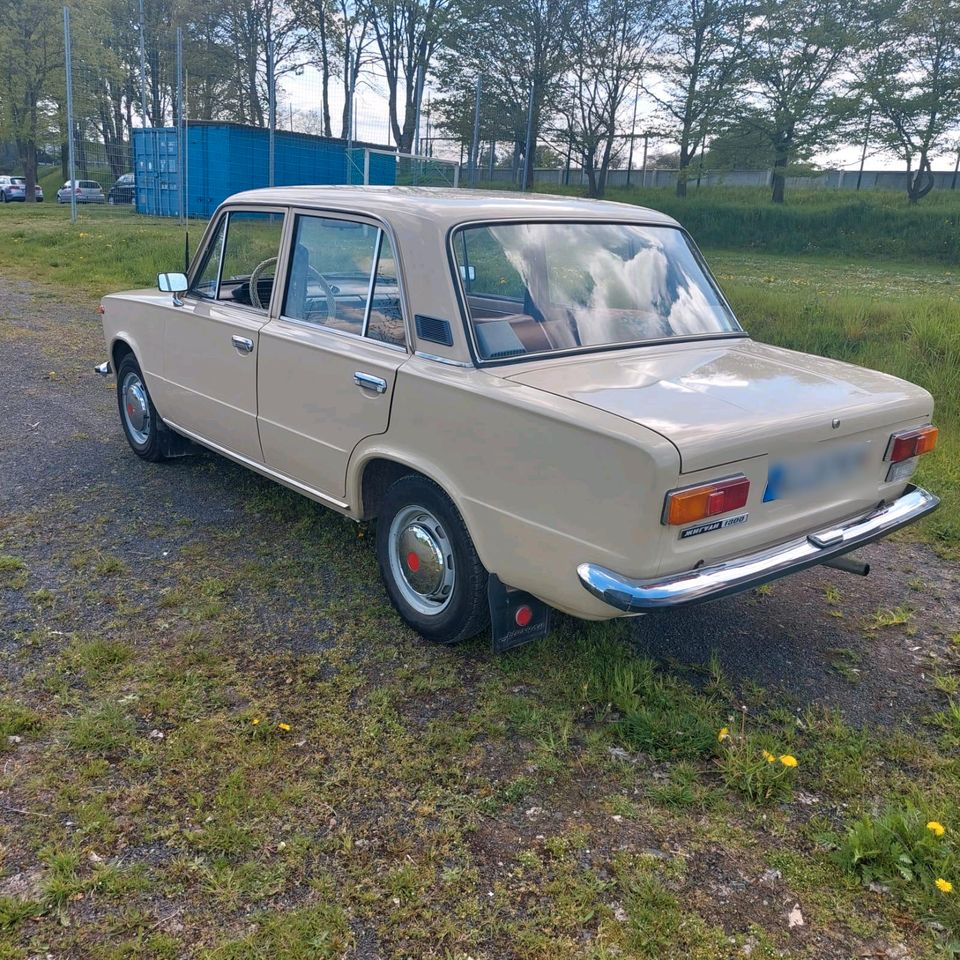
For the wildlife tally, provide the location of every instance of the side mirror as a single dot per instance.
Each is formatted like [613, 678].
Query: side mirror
[468, 273]
[172, 283]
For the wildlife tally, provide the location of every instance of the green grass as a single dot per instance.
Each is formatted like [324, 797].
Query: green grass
[871, 223]
[567, 799]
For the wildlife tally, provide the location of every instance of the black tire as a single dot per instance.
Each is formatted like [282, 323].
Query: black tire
[465, 613]
[153, 442]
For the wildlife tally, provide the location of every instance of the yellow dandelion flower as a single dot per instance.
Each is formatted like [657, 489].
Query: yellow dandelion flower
[255, 721]
[768, 756]
[285, 727]
[723, 733]
[936, 828]
[944, 886]
[788, 761]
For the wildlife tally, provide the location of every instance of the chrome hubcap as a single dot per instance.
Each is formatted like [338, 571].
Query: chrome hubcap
[136, 408]
[421, 560]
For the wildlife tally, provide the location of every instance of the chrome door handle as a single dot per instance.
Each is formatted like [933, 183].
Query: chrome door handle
[370, 383]
[243, 344]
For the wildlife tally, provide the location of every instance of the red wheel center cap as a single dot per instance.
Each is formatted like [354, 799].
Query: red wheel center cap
[413, 562]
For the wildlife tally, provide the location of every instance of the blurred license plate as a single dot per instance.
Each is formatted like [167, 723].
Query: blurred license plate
[814, 471]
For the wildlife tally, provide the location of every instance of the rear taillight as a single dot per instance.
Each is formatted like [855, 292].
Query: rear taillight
[705, 500]
[911, 443]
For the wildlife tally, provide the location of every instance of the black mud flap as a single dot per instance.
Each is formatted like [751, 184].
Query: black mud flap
[515, 617]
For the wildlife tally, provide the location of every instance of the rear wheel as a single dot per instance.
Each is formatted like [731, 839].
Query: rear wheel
[429, 565]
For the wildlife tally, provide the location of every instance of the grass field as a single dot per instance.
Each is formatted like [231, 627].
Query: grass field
[187, 786]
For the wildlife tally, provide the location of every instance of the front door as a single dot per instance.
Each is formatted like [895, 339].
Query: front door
[328, 363]
[211, 342]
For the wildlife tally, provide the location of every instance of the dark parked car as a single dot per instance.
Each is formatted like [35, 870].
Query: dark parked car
[15, 188]
[123, 190]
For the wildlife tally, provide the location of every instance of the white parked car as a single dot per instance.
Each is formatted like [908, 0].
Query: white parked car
[15, 188]
[544, 402]
[87, 191]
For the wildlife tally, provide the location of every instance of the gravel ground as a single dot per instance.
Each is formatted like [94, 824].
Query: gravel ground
[59, 436]
[74, 499]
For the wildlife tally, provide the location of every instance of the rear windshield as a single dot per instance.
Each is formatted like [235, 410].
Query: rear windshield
[89, 185]
[19, 181]
[535, 288]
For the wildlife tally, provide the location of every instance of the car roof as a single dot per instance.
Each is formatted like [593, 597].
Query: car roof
[445, 206]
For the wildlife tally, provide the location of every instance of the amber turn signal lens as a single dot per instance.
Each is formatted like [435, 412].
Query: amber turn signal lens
[911, 443]
[706, 500]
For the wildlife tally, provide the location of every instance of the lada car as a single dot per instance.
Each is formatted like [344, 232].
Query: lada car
[544, 402]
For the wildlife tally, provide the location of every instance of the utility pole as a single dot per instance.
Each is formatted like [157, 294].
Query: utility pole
[180, 208]
[866, 140]
[143, 71]
[71, 158]
[271, 109]
[475, 145]
[528, 149]
[633, 131]
[956, 170]
[643, 169]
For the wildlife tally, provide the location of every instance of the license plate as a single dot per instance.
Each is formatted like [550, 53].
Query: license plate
[815, 471]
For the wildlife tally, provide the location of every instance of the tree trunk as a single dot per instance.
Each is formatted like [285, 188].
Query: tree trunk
[684, 168]
[920, 183]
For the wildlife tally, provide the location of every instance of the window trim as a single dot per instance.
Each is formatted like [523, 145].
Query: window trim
[468, 326]
[201, 262]
[383, 229]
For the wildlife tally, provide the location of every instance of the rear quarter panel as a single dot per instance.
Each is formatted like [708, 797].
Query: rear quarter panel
[543, 483]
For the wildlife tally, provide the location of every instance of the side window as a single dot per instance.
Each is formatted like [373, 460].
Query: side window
[248, 244]
[332, 275]
[205, 282]
[250, 257]
[386, 314]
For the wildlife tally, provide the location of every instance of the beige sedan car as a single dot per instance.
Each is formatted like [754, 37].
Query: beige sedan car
[544, 402]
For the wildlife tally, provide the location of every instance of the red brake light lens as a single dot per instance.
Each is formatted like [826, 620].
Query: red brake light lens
[705, 500]
[911, 443]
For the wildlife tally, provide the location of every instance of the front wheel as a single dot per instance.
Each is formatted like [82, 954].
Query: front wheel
[429, 565]
[145, 432]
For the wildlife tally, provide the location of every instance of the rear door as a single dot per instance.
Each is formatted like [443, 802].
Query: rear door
[328, 362]
[211, 342]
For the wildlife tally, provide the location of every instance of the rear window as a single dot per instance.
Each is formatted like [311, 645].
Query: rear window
[535, 288]
[19, 181]
[89, 185]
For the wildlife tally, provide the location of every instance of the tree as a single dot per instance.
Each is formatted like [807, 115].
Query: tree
[318, 17]
[407, 34]
[911, 77]
[702, 59]
[31, 53]
[519, 49]
[799, 50]
[608, 51]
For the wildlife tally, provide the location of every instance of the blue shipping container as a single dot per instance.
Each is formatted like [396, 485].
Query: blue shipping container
[224, 158]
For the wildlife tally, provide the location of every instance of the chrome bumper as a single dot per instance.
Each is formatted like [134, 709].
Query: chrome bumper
[752, 570]
[103, 368]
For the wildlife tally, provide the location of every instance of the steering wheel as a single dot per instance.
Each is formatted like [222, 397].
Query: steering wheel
[261, 268]
[254, 282]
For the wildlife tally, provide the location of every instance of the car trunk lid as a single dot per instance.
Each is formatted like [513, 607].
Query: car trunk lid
[724, 401]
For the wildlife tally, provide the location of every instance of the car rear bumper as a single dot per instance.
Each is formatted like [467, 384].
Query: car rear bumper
[751, 570]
